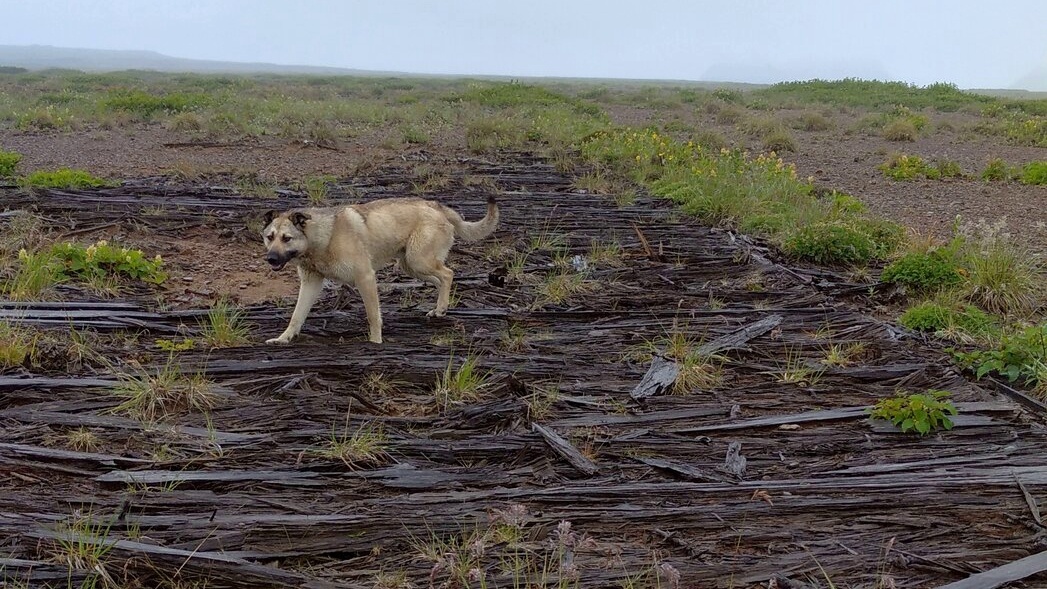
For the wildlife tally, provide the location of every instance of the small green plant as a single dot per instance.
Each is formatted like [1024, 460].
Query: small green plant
[1019, 355]
[169, 346]
[1034, 173]
[921, 413]
[8, 162]
[102, 259]
[458, 385]
[224, 327]
[155, 394]
[923, 272]
[63, 178]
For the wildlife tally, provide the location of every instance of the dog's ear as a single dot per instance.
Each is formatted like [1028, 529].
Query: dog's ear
[299, 219]
[269, 216]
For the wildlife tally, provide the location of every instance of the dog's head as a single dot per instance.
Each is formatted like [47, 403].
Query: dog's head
[284, 237]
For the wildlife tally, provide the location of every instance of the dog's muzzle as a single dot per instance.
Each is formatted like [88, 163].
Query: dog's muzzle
[278, 261]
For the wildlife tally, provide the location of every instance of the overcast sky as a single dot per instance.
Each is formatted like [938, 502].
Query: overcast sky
[972, 43]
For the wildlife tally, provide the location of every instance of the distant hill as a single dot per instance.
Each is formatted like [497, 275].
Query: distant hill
[1035, 80]
[40, 57]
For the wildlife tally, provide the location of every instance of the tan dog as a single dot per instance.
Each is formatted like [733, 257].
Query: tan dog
[348, 244]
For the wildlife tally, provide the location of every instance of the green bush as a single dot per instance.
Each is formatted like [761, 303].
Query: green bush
[923, 272]
[937, 317]
[900, 130]
[143, 104]
[997, 170]
[1034, 173]
[63, 178]
[909, 167]
[8, 162]
[831, 243]
[904, 167]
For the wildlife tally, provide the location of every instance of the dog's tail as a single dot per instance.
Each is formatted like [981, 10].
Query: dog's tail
[474, 230]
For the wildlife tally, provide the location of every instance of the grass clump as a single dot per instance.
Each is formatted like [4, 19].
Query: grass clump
[1002, 276]
[153, 395]
[458, 385]
[224, 327]
[17, 345]
[63, 178]
[35, 274]
[900, 130]
[8, 162]
[922, 272]
[1034, 173]
[366, 445]
[919, 412]
[997, 170]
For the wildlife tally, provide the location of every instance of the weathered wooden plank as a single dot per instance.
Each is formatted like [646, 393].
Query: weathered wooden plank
[211, 560]
[845, 414]
[1001, 575]
[658, 379]
[59, 454]
[566, 450]
[158, 477]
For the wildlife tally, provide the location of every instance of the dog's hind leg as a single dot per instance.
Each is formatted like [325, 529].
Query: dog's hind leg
[309, 290]
[425, 257]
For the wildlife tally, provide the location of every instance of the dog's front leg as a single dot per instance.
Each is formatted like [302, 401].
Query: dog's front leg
[368, 286]
[309, 290]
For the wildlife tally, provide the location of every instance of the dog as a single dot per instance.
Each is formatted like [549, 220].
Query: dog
[348, 244]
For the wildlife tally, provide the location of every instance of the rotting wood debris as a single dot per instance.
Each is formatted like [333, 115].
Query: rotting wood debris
[565, 431]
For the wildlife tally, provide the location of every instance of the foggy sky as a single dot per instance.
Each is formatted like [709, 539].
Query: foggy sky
[974, 44]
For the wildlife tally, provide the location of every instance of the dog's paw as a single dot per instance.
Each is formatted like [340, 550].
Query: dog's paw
[279, 340]
[434, 313]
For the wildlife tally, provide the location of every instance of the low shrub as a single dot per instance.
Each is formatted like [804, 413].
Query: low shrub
[831, 243]
[63, 178]
[923, 272]
[1034, 173]
[8, 162]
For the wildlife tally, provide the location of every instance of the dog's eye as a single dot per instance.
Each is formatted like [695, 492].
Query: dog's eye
[285, 238]
[269, 237]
